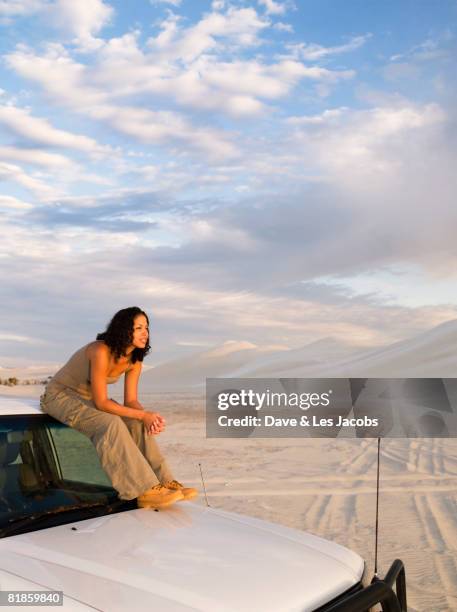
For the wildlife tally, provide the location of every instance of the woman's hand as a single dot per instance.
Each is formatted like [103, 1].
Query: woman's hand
[153, 422]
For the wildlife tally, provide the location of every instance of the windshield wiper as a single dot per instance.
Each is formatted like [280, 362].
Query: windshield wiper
[18, 523]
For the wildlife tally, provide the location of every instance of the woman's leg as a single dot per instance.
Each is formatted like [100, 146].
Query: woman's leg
[129, 471]
[150, 449]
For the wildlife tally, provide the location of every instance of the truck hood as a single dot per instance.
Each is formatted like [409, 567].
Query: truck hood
[183, 558]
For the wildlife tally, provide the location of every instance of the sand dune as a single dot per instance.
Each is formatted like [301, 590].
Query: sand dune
[191, 371]
[429, 354]
[314, 355]
[239, 359]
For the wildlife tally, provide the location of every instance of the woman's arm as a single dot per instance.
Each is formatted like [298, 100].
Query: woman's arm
[132, 376]
[131, 386]
[99, 366]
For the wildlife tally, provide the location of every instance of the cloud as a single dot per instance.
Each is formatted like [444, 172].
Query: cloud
[427, 50]
[237, 87]
[12, 203]
[16, 338]
[20, 8]
[283, 27]
[380, 170]
[123, 212]
[240, 87]
[37, 157]
[82, 19]
[324, 117]
[12, 209]
[33, 182]
[222, 226]
[62, 78]
[66, 81]
[238, 27]
[174, 3]
[58, 170]
[185, 64]
[399, 72]
[373, 142]
[272, 7]
[248, 266]
[353, 147]
[40, 131]
[162, 127]
[208, 82]
[182, 302]
[314, 52]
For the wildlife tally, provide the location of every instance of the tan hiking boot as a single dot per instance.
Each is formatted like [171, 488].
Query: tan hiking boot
[187, 492]
[158, 497]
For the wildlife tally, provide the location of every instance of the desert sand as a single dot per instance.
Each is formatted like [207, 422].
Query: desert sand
[327, 487]
[324, 486]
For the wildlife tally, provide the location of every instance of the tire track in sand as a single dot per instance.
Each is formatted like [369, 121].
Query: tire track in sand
[437, 522]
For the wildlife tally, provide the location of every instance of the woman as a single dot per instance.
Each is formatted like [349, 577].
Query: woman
[123, 435]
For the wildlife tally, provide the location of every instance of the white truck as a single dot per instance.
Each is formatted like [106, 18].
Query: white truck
[63, 529]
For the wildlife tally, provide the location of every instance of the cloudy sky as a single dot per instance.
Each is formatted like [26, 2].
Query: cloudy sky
[268, 171]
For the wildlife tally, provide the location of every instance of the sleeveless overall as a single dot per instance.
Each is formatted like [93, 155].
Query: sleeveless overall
[129, 456]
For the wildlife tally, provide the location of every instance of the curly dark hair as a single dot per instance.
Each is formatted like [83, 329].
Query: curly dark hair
[119, 334]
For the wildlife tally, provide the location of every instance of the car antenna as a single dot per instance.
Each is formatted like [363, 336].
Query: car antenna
[357, 384]
[203, 483]
[377, 514]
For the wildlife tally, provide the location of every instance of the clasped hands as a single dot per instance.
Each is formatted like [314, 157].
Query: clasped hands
[154, 423]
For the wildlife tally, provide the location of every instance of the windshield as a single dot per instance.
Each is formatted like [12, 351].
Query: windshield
[47, 467]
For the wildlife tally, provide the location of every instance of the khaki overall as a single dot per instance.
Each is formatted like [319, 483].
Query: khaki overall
[131, 458]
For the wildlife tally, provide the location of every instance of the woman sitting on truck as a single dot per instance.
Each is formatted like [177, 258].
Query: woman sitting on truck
[123, 435]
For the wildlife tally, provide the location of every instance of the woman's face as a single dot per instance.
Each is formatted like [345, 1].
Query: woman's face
[140, 331]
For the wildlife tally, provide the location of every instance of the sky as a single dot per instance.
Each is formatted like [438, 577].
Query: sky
[266, 171]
